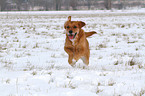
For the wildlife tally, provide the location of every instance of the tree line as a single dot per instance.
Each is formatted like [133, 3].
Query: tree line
[18, 5]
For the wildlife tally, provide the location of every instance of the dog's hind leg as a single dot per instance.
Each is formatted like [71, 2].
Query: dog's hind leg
[85, 60]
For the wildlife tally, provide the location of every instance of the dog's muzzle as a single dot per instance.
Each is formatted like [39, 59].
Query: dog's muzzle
[72, 35]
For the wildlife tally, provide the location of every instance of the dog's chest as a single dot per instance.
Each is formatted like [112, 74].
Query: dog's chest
[74, 42]
[76, 48]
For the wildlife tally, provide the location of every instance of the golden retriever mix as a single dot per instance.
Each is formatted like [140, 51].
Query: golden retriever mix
[76, 44]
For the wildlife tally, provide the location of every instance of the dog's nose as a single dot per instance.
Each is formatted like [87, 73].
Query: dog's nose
[70, 31]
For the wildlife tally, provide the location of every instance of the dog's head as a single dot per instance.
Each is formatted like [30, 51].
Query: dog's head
[72, 28]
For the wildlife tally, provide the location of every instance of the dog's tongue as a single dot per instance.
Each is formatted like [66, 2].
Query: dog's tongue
[71, 37]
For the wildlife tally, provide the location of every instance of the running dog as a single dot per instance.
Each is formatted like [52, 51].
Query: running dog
[76, 44]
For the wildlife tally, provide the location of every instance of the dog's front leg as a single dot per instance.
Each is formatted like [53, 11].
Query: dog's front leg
[78, 53]
[70, 52]
[71, 61]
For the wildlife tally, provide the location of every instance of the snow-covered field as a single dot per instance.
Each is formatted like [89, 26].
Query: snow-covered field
[34, 63]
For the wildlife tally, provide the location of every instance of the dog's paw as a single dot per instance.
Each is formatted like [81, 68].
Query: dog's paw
[85, 67]
[73, 63]
[73, 66]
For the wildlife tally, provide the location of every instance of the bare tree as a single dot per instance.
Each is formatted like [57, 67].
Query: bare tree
[89, 4]
[73, 4]
[3, 5]
[47, 4]
[57, 4]
[19, 3]
[120, 5]
[107, 4]
[66, 4]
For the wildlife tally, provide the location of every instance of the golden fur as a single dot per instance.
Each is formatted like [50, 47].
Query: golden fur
[76, 44]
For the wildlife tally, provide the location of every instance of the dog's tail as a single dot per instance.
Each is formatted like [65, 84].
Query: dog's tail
[90, 33]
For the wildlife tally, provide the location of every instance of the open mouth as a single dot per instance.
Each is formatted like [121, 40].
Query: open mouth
[72, 36]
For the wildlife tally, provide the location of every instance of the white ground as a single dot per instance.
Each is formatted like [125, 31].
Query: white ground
[33, 62]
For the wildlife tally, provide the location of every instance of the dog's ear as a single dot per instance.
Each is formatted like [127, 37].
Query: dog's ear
[69, 18]
[81, 24]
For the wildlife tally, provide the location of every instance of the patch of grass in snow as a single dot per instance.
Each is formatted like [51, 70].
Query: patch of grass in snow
[34, 73]
[69, 85]
[102, 46]
[36, 46]
[111, 82]
[29, 66]
[141, 93]
[7, 81]
[7, 63]
[134, 62]
[99, 90]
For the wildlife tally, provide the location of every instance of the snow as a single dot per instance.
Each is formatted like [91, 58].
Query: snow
[34, 63]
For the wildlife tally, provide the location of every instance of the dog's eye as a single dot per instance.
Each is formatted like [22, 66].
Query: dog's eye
[67, 27]
[75, 26]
